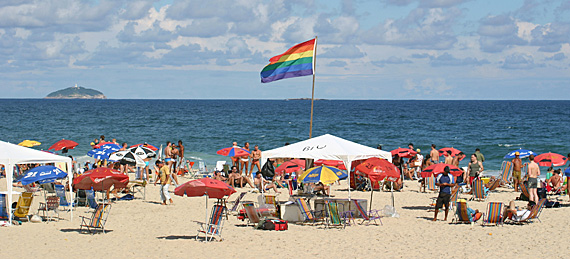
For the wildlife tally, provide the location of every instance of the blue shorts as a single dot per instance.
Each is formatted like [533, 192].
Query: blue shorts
[168, 159]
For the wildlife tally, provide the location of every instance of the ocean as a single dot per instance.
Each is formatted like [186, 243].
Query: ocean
[496, 127]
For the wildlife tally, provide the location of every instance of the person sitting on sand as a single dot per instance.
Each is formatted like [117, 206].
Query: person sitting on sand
[236, 178]
[259, 180]
[219, 176]
[555, 182]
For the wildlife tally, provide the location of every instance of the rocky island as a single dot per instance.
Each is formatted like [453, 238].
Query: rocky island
[76, 92]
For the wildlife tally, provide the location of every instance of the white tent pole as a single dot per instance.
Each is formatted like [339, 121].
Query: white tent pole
[348, 164]
[9, 174]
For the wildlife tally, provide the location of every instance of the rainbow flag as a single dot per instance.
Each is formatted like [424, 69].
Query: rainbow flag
[296, 61]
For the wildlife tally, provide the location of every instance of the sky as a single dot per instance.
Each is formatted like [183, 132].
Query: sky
[215, 49]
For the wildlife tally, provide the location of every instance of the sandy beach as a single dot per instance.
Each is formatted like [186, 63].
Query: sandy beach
[146, 228]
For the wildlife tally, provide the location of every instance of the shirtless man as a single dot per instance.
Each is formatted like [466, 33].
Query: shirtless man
[180, 155]
[555, 181]
[434, 154]
[533, 173]
[255, 156]
[174, 175]
[457, 158]
[517, 165]
[235, 159]
[244, 161]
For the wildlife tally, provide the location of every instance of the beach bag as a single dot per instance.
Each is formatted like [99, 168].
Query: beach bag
[268, 171]
[280, 225]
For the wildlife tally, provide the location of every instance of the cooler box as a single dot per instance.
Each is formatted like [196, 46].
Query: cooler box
[291, 213]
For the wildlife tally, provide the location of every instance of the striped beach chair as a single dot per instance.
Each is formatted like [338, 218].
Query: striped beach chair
[430, 183]
[494, 214]
[478, 190]
[461, 214]
[524, 190]
[253, 215]
[237, 202]
[506, 172]
[495, 184]
[97, 219]
[333, 219]
[308, 214]
[367, 216]
[213, 228]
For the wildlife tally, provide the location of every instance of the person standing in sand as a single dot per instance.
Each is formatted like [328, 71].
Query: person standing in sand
[444, 183]
[255, 157]
[235, 159]
[533, 173]
[434, 154]
[517, 166]
[474, 168]
[180, 155]
[244, 161]
[164, 178]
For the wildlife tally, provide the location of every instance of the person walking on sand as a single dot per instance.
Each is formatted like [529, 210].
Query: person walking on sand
[434, 154]
[533, 173]
[474, 168]
[517, 166]
[444, 183]
[164, 179]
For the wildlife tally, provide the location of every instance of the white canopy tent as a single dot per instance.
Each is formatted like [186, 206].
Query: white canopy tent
[11, 155]
[327, 147]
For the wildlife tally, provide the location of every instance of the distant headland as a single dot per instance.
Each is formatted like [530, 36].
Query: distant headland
[76, 92]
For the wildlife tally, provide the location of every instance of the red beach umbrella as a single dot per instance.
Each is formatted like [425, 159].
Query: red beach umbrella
[151, 147]
[232, 151]
[550, 159]
[403, 152]
[204, 186]
[64, 143]
[101, 178]
[379, 169]
[454, 151]
[438, 168]
[290, 166]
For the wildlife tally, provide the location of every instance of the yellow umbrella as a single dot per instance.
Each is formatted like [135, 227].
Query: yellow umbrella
[323, 174]
[29, 143]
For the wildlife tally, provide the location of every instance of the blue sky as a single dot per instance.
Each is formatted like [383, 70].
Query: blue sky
[215, 49]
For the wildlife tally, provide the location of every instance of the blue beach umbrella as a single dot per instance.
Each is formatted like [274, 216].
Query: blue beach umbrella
[42, 174]
[567, 171]
[522, 153]
[110, 146]
[324, 174]
[100, 153]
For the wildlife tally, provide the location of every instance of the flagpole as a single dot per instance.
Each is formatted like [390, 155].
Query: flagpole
[313, 91]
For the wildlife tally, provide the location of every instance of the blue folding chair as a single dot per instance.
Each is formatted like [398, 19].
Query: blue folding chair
[60, 192]
[3, 213]
[90, 195]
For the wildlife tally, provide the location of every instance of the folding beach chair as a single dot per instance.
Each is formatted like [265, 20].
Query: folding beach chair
[506, 171]
[430, 183]
[97, 219]
[23, 205]
[333, 218]
[51, 204]
[253, 215]
[478, 190]
[524, 190]
[535, 211]
[138, 186]
[60, 192]
[309, 216]
[367, 216]
[214, 226]
[270, 202]
[3, 211]
[494, 214]
[237, 202]
[495, 184]
[453, 199]
[461, 214]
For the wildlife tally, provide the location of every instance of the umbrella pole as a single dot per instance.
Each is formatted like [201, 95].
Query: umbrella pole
[392, 191]
[371, 192]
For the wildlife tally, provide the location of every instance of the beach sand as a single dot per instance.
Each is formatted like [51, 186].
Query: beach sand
[144, 228]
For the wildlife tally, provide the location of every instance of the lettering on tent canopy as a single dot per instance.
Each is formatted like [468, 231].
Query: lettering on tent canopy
[314, 147]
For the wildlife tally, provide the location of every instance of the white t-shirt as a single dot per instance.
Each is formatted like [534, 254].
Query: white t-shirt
[521, 215]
